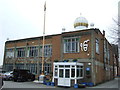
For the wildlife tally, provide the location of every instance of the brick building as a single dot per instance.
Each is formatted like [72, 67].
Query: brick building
[87, 46]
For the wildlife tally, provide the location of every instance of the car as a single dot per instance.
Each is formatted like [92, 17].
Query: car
[22, 75]
[8, 75]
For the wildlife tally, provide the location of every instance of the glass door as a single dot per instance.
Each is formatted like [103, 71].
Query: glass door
[64, 77]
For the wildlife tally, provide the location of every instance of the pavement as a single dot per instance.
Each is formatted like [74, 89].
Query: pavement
[115, 83]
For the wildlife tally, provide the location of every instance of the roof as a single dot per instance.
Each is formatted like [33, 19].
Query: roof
[49, 36]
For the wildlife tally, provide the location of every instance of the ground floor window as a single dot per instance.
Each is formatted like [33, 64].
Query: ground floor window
[32, 68]
[72, 72]
[47, 68]
[79, 71]
[19, 66]
[8, 67]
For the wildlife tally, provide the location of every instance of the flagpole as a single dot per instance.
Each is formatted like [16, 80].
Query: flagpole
[43, 40]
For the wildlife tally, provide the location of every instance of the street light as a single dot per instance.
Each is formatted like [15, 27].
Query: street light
[41, 77]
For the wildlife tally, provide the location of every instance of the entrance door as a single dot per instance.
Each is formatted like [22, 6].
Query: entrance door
[64, 77]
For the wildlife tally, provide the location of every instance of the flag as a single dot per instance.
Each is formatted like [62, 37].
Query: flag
[45, 6]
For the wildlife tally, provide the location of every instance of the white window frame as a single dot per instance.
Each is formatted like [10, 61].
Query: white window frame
[33, 50]
[47, 50]
[69, 43]
[21, 52]
[10, 53]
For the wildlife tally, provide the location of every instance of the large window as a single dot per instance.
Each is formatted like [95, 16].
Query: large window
[47, 68]
[33, 51]
[97, 45]
[9, 53]
[20, 52]
[71, 45]
[32, 68]
[47, 51]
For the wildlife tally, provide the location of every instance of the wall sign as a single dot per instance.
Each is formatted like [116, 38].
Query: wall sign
[87, 69]
[84, 45]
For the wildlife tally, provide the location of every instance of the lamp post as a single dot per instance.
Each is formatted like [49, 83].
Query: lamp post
[43, 40]
[41, 77]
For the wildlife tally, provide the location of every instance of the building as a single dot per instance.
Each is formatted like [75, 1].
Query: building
[85, 45]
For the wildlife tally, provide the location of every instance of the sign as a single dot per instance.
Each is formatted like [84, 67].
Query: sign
[87, 69]
[84, 45]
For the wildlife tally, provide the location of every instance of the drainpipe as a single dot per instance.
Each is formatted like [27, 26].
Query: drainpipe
[25, 61]
[62, 46]
[14, 60]
[38, 60]
[93, 56]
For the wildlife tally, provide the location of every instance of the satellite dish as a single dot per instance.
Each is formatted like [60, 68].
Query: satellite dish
[7, 39]
[63, 29]
[92, 24]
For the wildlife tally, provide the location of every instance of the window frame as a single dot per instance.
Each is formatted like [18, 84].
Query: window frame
[71, 45]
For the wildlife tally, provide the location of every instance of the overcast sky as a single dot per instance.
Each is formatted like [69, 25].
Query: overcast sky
[24, 18]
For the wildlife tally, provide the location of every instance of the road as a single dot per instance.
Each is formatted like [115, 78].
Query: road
[10, 84]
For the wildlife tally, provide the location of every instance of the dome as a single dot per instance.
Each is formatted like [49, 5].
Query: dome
[80, 23]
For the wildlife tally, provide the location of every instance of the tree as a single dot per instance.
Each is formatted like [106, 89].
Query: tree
[115, 32]
[116, 37]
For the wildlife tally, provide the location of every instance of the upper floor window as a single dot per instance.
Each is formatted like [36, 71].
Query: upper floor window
[20, 52]
[9, 53]
[47, 50]
[71, 45]
[97, 45]
[33, 51]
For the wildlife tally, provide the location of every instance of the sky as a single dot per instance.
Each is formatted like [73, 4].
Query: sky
[24, 18]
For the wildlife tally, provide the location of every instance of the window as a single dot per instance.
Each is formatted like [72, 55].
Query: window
[20, 52]
[72, 72]
[71, 45]
[47, 50]
[79, 71]
[67, 73]
[33, 51]
[61, 73]
[97, 46]
[56, 72]
[9, 53]
[19, 66]
[47, 68]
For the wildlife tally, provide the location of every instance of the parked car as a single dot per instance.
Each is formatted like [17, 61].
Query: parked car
[8, 75]
[22, 75]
